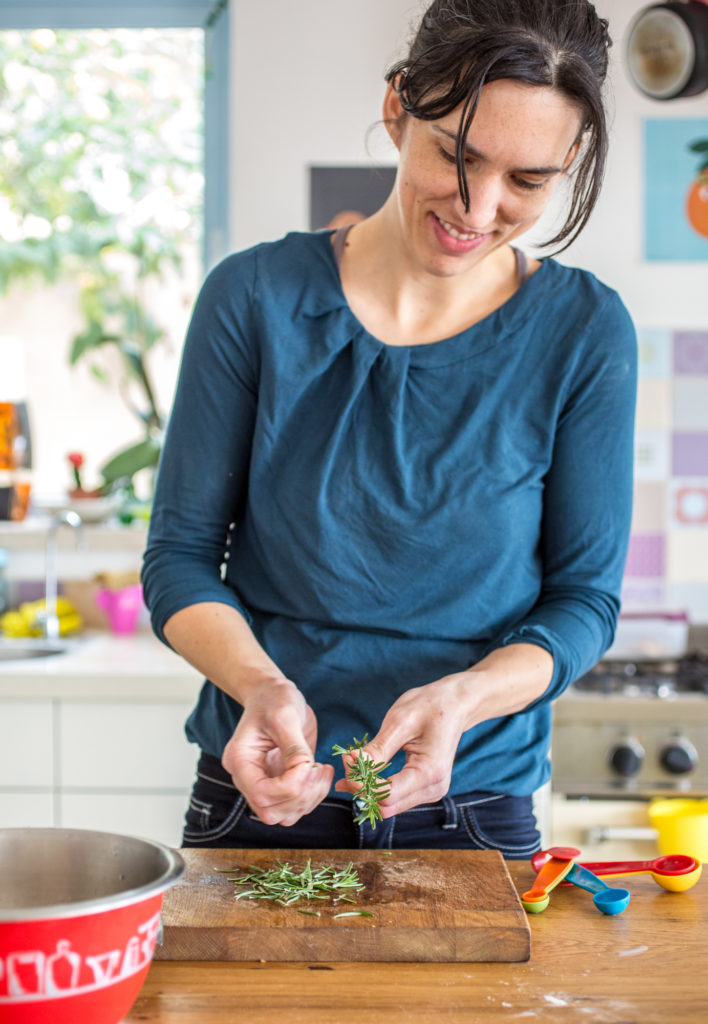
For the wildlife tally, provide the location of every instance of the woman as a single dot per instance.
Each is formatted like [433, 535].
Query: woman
[411, 449]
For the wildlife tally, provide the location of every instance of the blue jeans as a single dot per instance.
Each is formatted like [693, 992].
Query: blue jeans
[218, 816]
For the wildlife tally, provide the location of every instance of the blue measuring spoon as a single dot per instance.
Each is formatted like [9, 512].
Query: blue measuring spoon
[606, 898]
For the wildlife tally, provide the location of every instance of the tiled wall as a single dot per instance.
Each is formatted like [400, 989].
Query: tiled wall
[667, 566]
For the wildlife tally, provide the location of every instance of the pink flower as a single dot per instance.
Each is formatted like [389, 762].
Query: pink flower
[77, 460]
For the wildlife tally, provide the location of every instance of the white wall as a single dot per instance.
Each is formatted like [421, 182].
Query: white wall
[658, 294]
[308, 85]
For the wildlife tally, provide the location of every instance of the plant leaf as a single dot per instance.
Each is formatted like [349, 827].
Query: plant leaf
[125, 464]
[92, 338]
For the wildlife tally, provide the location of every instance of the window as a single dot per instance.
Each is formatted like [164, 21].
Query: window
[211, 15]
[69, 410]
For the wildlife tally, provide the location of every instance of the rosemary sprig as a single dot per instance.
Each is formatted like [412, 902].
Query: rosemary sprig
[366, 772]
[284, 885]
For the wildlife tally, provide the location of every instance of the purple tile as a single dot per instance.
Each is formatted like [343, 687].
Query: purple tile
[646, 556]
[690, 454]
[691, 352]
[643, 594]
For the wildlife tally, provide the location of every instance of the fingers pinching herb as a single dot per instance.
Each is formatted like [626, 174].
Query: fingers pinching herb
[367, 773]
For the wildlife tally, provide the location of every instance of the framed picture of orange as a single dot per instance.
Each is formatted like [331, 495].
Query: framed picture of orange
[676, 188]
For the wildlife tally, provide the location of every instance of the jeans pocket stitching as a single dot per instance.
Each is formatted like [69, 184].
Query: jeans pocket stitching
[203, 812]
[229, 822]
[477, 835]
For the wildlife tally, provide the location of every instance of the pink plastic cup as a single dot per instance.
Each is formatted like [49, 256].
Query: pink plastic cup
[122, 607]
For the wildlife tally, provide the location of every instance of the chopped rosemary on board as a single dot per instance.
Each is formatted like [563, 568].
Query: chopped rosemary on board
[366, 772]
[284, 885]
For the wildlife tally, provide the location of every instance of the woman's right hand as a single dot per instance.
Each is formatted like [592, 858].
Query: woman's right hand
[271, 754]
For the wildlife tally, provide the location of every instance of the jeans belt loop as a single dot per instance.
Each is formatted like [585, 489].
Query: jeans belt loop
[450, 807]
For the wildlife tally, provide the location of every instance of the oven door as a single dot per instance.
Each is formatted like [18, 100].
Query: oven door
[611, 756]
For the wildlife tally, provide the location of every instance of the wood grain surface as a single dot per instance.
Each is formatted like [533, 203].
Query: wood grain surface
[645, 966]
[426, 905]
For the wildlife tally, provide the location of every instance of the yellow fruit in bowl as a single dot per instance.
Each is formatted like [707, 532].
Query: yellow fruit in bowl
[29, 619]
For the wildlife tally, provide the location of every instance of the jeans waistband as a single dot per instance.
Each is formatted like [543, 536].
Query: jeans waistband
[211, 768]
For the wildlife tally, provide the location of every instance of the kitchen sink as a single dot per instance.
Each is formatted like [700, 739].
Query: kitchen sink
[19, 650]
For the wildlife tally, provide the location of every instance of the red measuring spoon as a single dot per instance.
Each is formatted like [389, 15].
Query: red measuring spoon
[675, 871]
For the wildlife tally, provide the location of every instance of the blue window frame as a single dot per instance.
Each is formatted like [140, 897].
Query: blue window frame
[211, 15]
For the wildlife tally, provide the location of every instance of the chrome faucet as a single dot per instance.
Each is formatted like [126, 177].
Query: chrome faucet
[50, 617]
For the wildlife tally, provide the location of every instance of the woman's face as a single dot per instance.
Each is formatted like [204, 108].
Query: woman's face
[522, 139]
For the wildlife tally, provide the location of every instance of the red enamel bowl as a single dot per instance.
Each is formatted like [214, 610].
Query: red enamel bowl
[79, 921]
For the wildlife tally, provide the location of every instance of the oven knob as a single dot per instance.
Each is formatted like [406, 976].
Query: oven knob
[679, 757]
[626, 757]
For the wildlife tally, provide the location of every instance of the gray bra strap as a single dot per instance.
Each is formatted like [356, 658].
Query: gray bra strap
[522, 267]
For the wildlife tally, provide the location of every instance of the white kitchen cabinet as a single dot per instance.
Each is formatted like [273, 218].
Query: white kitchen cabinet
[26, 744]
[125, 745]
[149, 815]
[118, 766]
[26, 809]
[603, 829]
[95, 738]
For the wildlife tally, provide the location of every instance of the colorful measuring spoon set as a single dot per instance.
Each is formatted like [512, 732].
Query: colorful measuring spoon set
[558, 866]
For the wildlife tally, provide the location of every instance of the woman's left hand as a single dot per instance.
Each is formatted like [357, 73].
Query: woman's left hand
[427, 723]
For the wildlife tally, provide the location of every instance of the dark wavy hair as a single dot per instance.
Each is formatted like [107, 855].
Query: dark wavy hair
[461, 45]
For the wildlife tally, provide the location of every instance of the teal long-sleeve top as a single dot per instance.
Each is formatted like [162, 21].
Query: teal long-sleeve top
[386, 515]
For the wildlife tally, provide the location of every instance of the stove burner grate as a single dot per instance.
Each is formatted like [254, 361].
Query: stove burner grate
[660, 679]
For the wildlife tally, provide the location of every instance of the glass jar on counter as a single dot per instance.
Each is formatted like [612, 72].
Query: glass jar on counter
[15, 435]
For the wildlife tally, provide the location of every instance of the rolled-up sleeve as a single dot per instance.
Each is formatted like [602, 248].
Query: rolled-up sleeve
[587, 505]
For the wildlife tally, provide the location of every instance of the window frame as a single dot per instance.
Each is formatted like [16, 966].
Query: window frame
[214, 17]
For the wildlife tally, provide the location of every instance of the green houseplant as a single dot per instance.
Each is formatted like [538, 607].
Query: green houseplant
[101, 185]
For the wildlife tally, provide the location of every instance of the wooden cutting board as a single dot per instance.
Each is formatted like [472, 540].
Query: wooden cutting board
[427, 905]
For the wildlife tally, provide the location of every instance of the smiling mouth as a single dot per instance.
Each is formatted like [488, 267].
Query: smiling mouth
[462, 236]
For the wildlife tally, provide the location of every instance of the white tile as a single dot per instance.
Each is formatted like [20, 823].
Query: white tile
[651, 455]
[687, 556]
[147, 815]
[655, 349]
[690, 402]
[26, 747]
[26, 810]
[650, 507]
[111, 744]
[654, 404]
[692, 598]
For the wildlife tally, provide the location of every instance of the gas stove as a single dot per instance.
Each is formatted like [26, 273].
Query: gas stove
[634, 728]
[647, 679]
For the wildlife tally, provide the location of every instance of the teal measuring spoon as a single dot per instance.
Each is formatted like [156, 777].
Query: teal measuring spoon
[607, 899]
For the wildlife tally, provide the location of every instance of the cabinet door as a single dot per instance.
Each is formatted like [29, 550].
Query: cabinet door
[26, 744]
[146, 815]
[26, 810]
[123, 745]
[603, 829]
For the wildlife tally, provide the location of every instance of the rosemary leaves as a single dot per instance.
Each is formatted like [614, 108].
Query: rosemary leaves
[366, 772]
[284, 885]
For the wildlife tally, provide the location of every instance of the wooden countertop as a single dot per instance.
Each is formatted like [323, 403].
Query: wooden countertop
[646, 965]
